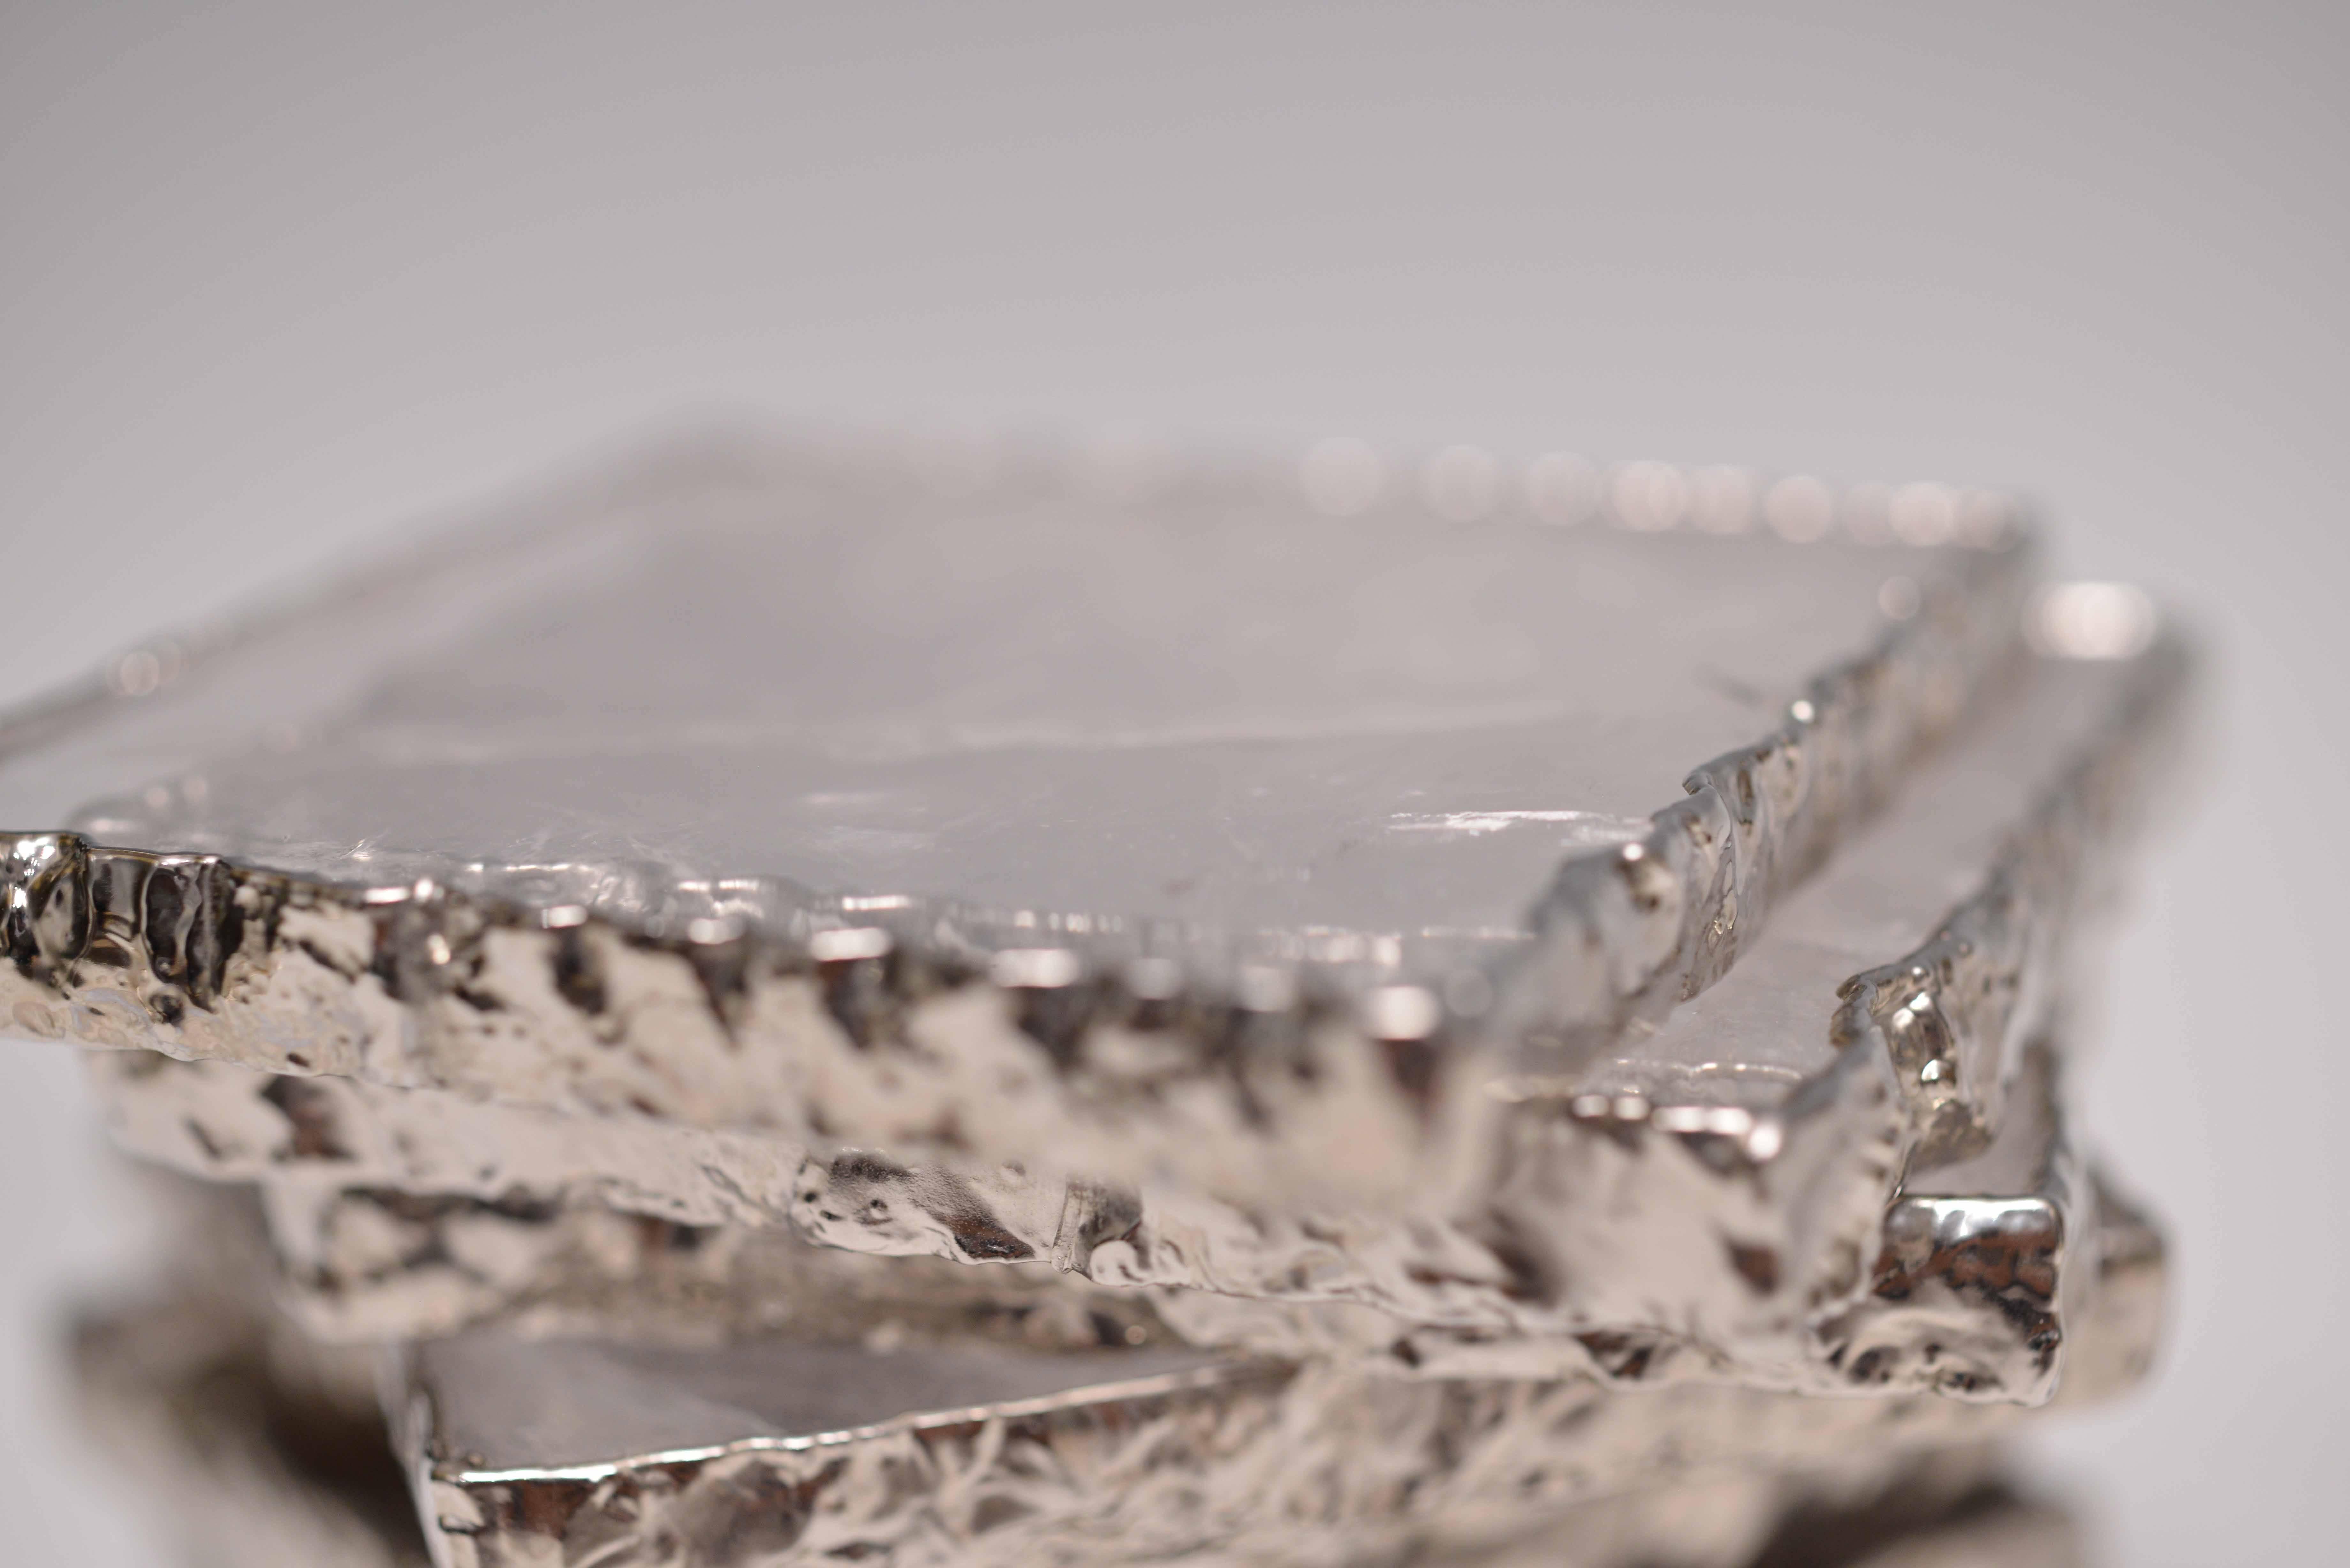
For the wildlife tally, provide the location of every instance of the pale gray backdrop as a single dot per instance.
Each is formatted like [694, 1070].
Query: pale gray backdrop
[276, 279]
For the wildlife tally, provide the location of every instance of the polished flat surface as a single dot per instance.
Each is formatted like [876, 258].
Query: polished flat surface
[1215, 706]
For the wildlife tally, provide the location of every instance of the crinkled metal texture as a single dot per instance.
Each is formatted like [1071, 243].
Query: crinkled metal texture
[1982, 1268]
[1199, 835]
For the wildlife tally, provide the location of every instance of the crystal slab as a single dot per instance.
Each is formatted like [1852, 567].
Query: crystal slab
[1198, 832]
[521, 1445]
[1295, 1468]
[1748, 1148]
[251, 1463]
[260, 1444]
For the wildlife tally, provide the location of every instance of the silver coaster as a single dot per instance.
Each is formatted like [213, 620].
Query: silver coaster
[253, 1455]
[1201, 834]
[818, 1453]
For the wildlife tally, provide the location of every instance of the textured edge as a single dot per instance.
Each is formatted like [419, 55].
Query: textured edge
[1927, 1047]
[1951, 1015]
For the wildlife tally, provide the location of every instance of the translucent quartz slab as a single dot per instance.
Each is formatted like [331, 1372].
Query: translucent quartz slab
[1221, 710]
[1633, 1231]
[1293, 1466]
[248, 1465]
[260, 1443]
[1999, 841]
[780, 790]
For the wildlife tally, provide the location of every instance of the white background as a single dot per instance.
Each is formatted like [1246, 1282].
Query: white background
[274, 279]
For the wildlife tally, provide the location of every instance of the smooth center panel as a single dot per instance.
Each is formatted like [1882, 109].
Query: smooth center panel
[1219, 708]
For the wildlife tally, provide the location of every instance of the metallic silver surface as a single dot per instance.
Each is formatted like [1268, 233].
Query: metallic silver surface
[1203, 833]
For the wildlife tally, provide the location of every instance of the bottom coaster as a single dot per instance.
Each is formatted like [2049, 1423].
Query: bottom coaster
[258, 1450]
[554, 1451]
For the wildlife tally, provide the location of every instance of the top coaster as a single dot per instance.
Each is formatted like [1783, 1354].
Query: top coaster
[1167, 820]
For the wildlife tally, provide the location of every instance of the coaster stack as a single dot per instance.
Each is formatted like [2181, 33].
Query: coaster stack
[812, 1004]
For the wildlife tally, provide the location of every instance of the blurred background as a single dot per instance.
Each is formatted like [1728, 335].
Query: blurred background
[280, 280]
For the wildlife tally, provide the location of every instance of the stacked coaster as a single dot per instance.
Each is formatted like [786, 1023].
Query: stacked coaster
[824, 1004]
